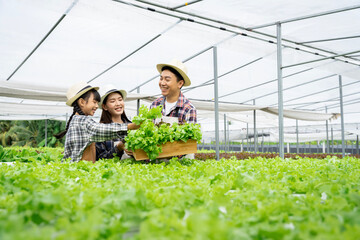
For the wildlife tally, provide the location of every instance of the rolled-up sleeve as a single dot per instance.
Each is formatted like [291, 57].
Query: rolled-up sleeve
[100, 132]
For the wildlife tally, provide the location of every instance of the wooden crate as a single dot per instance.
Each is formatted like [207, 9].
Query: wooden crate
[170, 149]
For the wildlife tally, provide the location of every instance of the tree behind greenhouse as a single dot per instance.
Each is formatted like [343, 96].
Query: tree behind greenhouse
[30, 133]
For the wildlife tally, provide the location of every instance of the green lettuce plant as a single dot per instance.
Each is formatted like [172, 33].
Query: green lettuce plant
[150, 136]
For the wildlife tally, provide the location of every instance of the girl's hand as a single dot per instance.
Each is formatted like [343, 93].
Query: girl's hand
[133, 126]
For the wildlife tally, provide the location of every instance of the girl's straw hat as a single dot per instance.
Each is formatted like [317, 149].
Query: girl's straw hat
[106, 90]
[76, 90]
[179, 67]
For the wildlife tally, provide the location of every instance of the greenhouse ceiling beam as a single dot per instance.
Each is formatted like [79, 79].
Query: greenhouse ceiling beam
[149, 80]
[352, 112]
[43, 39]
[307, 17]
[308, 103]
[328, 100]
[261, 84]
[330, 39]
[349, 102]
[135, 51]
[234, 26]
[321, 59]
[311, 94]
[186, 4]
[211, 81]
[295, 86]
[187, 59]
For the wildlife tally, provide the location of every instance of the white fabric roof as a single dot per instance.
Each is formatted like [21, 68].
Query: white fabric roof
[120, 42]
[52, 94]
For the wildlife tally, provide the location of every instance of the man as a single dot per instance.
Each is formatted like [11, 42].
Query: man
[173, 77]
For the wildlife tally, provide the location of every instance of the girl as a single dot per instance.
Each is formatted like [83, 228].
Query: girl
[81, 131]
[113, 106]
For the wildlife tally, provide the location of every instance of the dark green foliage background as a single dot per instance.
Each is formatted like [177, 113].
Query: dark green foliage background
[30, 133]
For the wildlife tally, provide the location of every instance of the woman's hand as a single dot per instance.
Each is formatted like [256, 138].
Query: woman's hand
[133, 126]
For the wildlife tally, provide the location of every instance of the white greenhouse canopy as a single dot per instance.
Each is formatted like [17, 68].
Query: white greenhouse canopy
[46, 46]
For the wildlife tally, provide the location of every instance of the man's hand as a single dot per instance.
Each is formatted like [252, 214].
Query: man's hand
[128, 152]
[121, 146]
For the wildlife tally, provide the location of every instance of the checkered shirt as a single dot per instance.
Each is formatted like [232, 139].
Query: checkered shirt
[83, 130]
[183, 110]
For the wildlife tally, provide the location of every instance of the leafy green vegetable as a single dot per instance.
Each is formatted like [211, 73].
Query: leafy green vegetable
[147, 114]
[27, 154]
[149, 137]
[258, 198]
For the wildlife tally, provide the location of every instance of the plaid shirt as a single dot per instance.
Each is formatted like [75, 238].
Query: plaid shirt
[83, 130]
[183, 110]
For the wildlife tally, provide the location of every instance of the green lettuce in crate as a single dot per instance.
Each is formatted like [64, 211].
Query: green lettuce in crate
[149, 137]
[147, 114]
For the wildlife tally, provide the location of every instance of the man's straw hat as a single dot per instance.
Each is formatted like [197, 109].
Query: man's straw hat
[179, 67]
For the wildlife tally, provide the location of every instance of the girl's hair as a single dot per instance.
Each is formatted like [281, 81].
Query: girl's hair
[78, 110]
[106, 115]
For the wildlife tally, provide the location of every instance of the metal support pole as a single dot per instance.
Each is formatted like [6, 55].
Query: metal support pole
[342, 118]
[45, 132]
[247, 136]
[255, 135]
[216, 103]
[228, 134]
[280, 90]
[357, 144]
[138, 102]
[327, 134]
[332, 140]
[288, 147]
[225, 132]
[262, 141]
[297, 137]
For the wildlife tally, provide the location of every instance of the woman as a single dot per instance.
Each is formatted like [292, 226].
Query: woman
[113, 111]
[81, 130]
